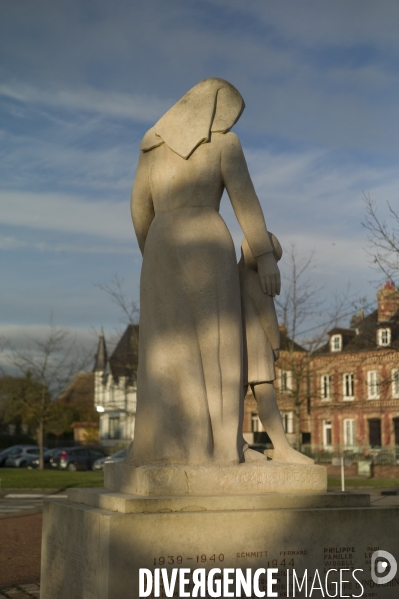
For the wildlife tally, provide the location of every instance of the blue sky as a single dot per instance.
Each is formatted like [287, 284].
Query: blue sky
[82, 80]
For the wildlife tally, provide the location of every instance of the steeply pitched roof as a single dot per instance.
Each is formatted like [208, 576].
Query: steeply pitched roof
[124, 359]
[286, 343]
[101, 356]
[363, 336]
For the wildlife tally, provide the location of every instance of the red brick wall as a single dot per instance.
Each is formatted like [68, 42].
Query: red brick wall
[361, 408]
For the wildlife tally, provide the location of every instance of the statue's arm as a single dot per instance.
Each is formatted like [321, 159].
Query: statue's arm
[266, 310]
[248, 211]
[141, 204]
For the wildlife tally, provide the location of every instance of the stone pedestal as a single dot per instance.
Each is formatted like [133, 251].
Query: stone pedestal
[95, 543]
[244, 479]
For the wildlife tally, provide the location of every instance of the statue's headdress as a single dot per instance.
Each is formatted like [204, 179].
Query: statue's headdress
[213, 105]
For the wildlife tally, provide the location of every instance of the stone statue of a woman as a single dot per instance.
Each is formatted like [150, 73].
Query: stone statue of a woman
[190, 370]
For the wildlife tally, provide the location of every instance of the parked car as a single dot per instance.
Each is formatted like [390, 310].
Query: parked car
[76, 458]
[119, 456]
[21, 455]
[5, 452]
[47, 457]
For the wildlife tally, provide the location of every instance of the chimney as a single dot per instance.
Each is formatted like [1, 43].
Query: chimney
[388, 301]
[357, 318]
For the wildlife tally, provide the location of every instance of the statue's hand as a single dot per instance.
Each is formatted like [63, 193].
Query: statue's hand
[269, 274]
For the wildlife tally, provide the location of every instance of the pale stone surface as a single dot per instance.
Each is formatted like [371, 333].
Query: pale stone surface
[190, 383]
[127, 504]
[212, 106]
[261, 330]
[256, 477]
[119, 544]
[261, 349]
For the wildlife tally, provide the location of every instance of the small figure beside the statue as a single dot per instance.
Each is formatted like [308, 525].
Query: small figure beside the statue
[261, 350]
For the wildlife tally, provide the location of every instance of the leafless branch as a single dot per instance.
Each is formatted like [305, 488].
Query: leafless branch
[383, 239]
[116, 292]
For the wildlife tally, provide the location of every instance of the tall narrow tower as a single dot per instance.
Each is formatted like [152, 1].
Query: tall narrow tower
[100, 369]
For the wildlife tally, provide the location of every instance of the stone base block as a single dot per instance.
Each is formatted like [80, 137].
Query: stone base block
[134, 504]
[243, 479]
[89, 552]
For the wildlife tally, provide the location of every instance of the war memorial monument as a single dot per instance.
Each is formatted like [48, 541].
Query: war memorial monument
[193, 511]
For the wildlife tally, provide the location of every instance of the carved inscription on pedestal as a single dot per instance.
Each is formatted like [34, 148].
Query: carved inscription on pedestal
[71, 571]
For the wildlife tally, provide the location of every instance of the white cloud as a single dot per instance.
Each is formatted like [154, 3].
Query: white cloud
[315, 200]
[32, 162]
[26, 340]
[58, 212]
[13, 243]
[312, 190]
[137, 107]
[76, 86]
[318, 185]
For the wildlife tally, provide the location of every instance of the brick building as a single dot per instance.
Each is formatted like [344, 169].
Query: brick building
[355, 380]
[344, 396]
[347, 394]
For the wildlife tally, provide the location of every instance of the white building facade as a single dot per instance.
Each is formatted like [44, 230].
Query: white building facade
[115, 388]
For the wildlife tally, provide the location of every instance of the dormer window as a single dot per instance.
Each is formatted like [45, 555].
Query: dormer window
[336, 343]
[384, 337]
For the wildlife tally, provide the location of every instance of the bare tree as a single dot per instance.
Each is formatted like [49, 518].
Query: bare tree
[50, 364]
[383, 239]
[305, 320]
[117, 294]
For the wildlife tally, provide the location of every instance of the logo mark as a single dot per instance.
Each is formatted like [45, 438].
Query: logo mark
[385, 559]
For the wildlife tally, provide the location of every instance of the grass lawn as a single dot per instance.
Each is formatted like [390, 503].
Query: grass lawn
[334, 482]
[21, 478]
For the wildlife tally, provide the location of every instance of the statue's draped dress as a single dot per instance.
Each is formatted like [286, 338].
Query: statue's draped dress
[190, 385]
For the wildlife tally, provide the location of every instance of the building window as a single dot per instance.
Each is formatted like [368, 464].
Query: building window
[349, 432]
[336, 343]
[373, 384]
[256, 423]
[285, 381]
[11, 429]
[396, 430]
[327, 433]
[349, 386]
[384, 337]
[288, 421]
[113, 431]
[326, 387]
[375, 432]
[395, 383]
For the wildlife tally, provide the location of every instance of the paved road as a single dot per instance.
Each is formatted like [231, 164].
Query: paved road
[17, 503]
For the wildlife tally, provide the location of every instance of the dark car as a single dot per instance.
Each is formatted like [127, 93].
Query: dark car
[46, 457]
[21, 455]
[119, 456]
[76, 458]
